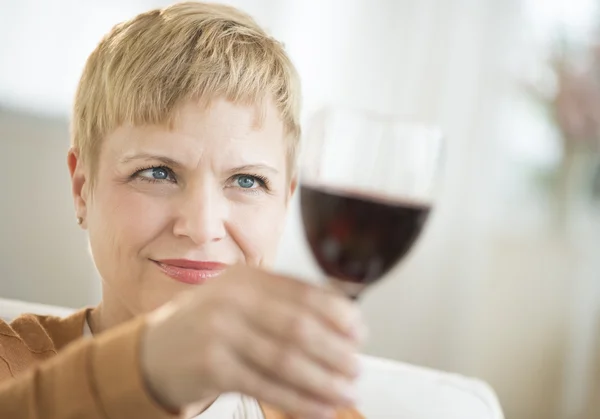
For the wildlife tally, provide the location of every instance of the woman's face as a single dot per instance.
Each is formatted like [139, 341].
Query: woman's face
[170, 208]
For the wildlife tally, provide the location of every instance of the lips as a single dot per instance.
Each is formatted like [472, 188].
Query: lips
[190, 271]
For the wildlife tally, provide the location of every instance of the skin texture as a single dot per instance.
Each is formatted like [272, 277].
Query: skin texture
[213, 188]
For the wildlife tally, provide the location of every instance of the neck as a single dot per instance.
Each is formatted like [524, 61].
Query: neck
[104, 317]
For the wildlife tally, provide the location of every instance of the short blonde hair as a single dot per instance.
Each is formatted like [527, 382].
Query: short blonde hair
[145, 67]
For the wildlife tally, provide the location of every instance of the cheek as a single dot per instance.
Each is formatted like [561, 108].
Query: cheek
[258, 229]
[123, 222]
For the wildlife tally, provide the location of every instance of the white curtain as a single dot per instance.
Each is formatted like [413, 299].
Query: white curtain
[441, 62]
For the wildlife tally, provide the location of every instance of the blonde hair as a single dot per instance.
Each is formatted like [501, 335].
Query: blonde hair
[145, 67]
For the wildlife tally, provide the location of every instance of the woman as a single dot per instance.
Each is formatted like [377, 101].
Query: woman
[184, 141]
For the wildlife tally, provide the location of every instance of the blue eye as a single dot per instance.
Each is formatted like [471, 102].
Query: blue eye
[246, 182]
[156, 174]
[159, 173]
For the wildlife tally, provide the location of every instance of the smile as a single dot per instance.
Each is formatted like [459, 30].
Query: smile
[189, 271]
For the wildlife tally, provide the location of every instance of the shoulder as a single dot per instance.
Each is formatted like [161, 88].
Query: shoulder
[23, 343]
[30, 338]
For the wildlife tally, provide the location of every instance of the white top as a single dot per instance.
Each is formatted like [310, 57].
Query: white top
[232, 405]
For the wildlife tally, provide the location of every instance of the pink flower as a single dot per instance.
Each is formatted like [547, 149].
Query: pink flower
[577, 101]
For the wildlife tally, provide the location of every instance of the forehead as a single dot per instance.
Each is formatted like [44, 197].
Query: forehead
[221, 129]
[225, 118]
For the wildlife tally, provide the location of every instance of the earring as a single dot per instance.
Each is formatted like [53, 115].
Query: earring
[79, 220]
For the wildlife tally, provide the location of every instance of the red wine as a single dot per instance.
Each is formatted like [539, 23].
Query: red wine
[356, 238]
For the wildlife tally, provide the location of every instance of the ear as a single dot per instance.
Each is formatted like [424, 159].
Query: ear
[79, 185]
[293, 186]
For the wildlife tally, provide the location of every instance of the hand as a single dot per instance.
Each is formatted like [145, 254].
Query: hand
[287, 343]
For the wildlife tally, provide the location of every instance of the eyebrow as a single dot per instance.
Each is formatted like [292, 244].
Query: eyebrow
[147, 156]
[253, 167]
[173, 163]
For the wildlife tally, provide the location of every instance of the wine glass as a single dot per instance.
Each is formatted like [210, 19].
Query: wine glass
[367, 183]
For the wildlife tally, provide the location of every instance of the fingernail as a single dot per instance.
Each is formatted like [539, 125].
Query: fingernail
[353, 317]
[359, 332]
[356, 366]
[345, 390]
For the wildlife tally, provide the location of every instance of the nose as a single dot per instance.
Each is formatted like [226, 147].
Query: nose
[202, 215]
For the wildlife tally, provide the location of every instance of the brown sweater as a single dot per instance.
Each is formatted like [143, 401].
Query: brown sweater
[48, 372]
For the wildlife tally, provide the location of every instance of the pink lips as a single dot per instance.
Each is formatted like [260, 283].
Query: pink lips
[190, 271]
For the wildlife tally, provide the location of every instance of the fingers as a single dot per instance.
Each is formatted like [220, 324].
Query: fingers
[288, 364]
[300, 330]
[301, 316]
[266, 388]
[291, 344]
[336, 310]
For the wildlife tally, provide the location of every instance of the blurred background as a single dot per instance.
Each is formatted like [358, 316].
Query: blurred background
[505, 283]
